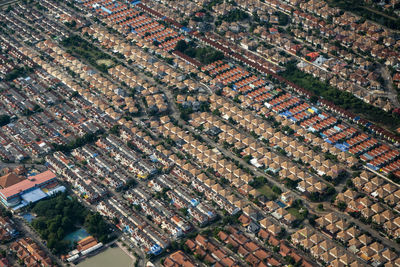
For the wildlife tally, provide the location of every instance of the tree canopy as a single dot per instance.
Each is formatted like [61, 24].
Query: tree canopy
[4, 120]
[342, 99]
[61, 215]
[205, 55]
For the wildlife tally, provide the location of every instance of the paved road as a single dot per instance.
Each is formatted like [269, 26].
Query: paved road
[392, 94]
[369, 230]
[272, 180]
[308, 204]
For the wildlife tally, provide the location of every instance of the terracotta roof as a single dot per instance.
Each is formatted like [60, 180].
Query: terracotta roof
[261, 254]
[251, 246]
[252, 259]
[9, 180]
[27, 183]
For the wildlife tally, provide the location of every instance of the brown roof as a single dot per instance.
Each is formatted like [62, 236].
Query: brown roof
[222, 235]
[251, 246]
[219, 254]
[261, 254]
[201, 240]
[284, 250]
[209, 259]
[231, 241]
[252, 259]
[273, 262]
[296, 257]
[273, 241]
[191, 245]
[10, 179]
[263, 234]
[227, 262]
[242, 251]
[200, 251]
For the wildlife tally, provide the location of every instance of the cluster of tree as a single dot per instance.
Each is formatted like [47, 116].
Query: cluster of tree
[71, 24]
[210, 4]
[366, 11]
[276, 190]
[283, 19]
[185, 112]
[4, 119]
[17, 72]
[5, 213]
[115, 129]
[60, 215]
[78, 142]
[394, 178]
[287, 130]
[129, 184]
[318, 197]
[342, 99]
[76, 45]
[205, 55]
[235, 15]
[258, 182]
[289, 183]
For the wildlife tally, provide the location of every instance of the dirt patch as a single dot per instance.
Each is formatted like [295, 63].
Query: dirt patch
[107, 62]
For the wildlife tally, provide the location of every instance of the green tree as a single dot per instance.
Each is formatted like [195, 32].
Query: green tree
[276, 190]
[181, 46]
[4, 120]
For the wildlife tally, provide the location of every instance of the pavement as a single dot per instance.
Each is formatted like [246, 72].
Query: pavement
[308, 204]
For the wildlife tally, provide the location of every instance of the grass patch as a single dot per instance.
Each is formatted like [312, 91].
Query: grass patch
[83, 49]
[267, 192]
[296, 213]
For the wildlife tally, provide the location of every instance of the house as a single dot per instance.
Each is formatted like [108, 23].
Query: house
[178, 258]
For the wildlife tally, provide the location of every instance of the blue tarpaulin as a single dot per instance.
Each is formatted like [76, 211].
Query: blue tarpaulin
[342, 147]
[372, 167]
[194, 202]
[155, 249]
[368, 156]
[106, 10]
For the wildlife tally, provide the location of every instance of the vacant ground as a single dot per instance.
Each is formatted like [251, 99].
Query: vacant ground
[107, 62]
[267, 191]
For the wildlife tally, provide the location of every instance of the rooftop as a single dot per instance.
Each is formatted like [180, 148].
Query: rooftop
[27, 184]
